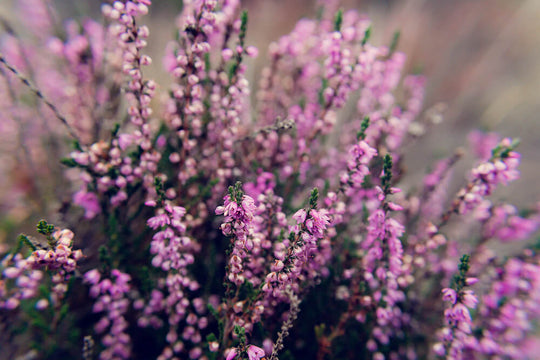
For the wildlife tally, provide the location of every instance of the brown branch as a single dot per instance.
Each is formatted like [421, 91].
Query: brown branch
[40, 95]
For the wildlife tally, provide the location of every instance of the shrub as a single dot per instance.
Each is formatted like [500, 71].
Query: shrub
[215, 223]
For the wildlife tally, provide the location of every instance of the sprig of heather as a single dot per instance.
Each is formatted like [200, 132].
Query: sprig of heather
[21, 276]
[265, 232]
[173, 252]
[300, 257]
[185, 60]
[501, 168]
[18, 282]
[111, 294]
[456, 335]
[356, 193]
[243, 350]
[108, 169]
[229, 98]
[269, 222]
[210, 97]
[382, 265]
[360, 156]
[132, 40]
[503, 222]
[238, 210]
[508, 309]
[377, 277]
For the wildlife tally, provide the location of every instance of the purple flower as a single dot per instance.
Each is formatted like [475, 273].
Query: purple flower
[460, 312]
[158, 221]
[232, 354]
[449, 295]
[92, 276]
[300, 216]
[316, 223]
[469, 299]
[254, 352]
[89, 202]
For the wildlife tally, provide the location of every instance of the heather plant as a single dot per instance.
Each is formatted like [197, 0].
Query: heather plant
[218, 219]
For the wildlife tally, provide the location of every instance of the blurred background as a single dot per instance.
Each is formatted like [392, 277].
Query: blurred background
[481, 59]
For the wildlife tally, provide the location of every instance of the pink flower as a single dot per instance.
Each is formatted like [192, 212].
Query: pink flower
[42, 304]
[300, 216]
[449, 295]
[89, 202]
[469, 299]
[92, 276]
[158, 221]
[254, 352]
[11, 303]
[482, 143]
[461, 313]
[232, 354]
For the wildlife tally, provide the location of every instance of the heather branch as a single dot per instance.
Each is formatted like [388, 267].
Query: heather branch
[40, 95]
[288, 324]
[279, 126]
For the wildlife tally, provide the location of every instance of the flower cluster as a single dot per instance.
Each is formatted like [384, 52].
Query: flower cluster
[173, 252]
[60, 257]
[504, 223]
[253, 352]
[111, 296]
[301, 257]
[238, 211]
[456, 336]
[22, 276]
[16, 269]
[501, 168]
[108, 167]
[504, 314]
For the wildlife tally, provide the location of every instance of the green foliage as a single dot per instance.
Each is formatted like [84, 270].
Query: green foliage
[243, 26]
[314, 198]
[501, 151]
[44, 228]
[459, 281]
[361, 135]
[395, 42]
[24, 240]
[69, 162]
[236, 193]
[338, 20]
[324, 85]
[367, 35]
[386, 179]
[158, 184]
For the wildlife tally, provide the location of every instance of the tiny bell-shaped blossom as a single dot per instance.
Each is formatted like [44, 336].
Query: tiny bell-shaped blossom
[231, 354]
[255, 352]
[449, 295]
